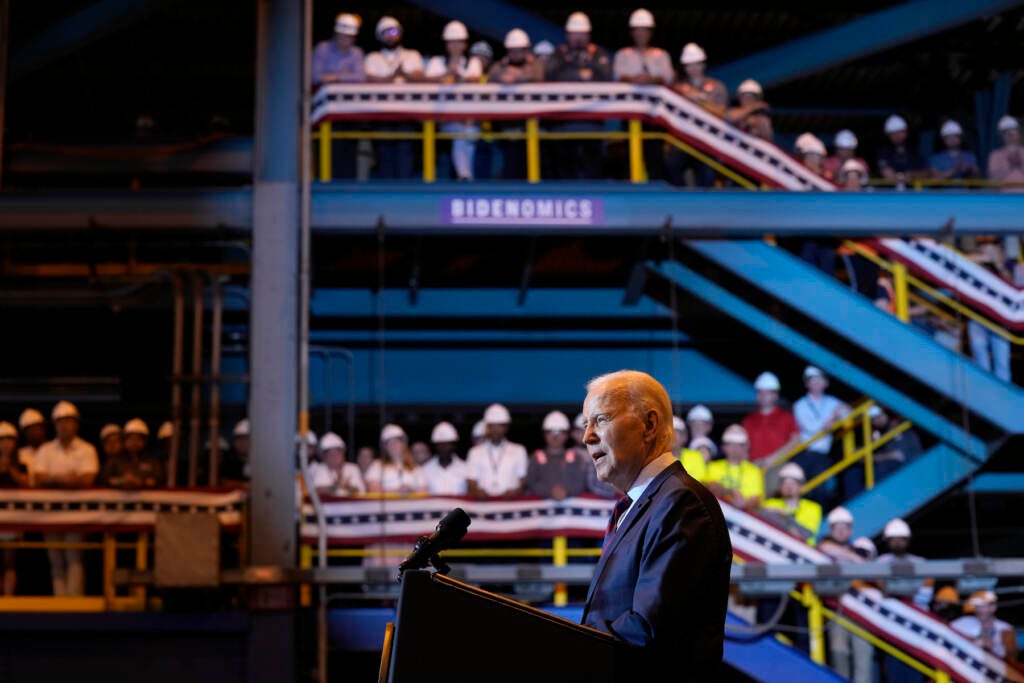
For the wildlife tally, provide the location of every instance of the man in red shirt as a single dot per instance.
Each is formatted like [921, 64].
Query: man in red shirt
[771, 429]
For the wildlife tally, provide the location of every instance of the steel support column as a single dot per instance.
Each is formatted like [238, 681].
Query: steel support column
[274, 324]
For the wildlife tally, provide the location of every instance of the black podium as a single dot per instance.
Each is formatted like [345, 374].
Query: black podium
[449, 631]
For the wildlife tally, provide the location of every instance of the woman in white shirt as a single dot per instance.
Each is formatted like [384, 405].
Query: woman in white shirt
[395, 471]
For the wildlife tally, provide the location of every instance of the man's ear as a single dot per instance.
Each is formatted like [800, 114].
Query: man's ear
[652, 424]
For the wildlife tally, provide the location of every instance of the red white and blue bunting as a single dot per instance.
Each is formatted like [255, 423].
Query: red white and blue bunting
[688, 121]
[946, 268]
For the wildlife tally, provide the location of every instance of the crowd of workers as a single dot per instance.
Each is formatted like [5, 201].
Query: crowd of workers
[578, 59]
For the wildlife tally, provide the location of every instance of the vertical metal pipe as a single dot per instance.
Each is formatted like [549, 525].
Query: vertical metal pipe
[216, 325]
[177, 366]
[197, 372]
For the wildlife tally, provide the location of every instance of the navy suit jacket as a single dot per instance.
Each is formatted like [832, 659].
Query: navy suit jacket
[662, 584]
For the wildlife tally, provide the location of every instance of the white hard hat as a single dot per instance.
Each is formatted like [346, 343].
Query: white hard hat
[735, 434]
[110, 430]
[555, 421]
[497, 414]
[641, 18]
[854, 166]
[455, 30]
[982, 597]
[812, 371]
[392, 431]
[347, 24]
[767, 381]
[705, 442]
[699, 412]
[580, 422]
[444, 432]
[840, 515]
[8, 431]
[517, 37]
[896, 528]
[311, 439]
[479, 429]
[385, 24]
[750, 86]
[578, 22]
[792, 471]
[29, 417]
[136, 426]
[64, 409]
[1007, 123]
[544, 48]
[875, 410]
[331, 440]
[692, 53]
[481, 48]
[242, 427]
[866, 544]
[951, 128]
[895, 124]
[678, 423]
[808, 143]
[845, 139]
[166, 430]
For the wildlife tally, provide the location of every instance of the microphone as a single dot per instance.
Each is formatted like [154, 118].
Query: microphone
[449, 531]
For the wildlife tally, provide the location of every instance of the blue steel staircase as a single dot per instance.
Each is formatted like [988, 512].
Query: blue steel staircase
[968, 412]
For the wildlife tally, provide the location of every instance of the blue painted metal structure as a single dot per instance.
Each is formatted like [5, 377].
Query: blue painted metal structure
[647, 210]
[832, 305]
[858, 38]
[909, 488]
[811, 351]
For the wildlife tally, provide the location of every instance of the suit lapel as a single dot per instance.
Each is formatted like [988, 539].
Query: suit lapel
[632, 517]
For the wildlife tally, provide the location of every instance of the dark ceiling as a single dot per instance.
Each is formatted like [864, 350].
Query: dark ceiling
[188, 61]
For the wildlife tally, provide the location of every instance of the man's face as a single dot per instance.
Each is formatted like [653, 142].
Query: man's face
[334, 457]
[641, 36]
[1011, 137]
[241, 444]
[444, 448]
[766, 398]
[951, 141]
[841, 531]
[554, 438]
[134, 443]
[615, 438]
[35, 434]
[344, 40]
[457, 48]
[898, 137]
[735, 452]
[695, 70]
[496, 431]
[577, 40]
[699, 427]
[66, 427]
[421, 452]
[880, 421]
[789, 487]
[816, 384]
[517, 55]
[391, 37]
[844, 153]
[898, 545]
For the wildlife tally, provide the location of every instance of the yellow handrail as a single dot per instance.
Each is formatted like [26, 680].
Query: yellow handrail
[908, 280]
[532, 136]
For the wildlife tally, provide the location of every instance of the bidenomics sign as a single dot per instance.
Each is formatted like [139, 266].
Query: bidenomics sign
[510, 210]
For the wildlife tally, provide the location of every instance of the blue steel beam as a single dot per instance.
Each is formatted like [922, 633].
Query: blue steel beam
[861, 37]
[84, 26]
[796, 343]
[537, 376]
[494, 18]
[419, 209]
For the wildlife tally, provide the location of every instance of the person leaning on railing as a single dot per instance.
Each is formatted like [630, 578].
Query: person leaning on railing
[340, 60]
[519, 65]
[12, 475]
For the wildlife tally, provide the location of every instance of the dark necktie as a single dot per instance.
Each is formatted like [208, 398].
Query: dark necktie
[621, 505]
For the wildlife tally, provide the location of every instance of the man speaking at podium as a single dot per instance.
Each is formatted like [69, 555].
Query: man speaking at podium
[662, 582]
